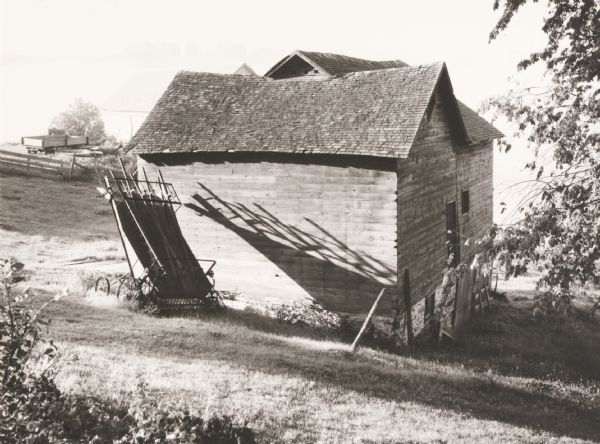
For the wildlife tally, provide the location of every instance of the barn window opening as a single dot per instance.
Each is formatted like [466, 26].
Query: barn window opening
[464, 202]
[429, 307]
[453, 237]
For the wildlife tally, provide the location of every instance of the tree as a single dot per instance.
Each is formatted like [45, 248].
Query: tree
[81, 119]
[560, 227]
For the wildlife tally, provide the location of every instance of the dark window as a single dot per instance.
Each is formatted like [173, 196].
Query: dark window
[464, 201]
[429, 307]
[453, 240]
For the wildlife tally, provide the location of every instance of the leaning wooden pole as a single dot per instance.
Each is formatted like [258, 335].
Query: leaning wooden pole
[367, 319]
[119, 227]
[138, 225]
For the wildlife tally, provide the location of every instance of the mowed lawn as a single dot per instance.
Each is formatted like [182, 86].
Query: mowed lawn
[524, 380]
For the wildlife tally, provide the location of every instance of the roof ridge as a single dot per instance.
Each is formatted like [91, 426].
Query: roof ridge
[299, 79]
[395, 68]
[334, 64]
[346, 56]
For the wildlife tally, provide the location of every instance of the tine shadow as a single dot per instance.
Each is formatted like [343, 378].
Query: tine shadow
[313, 261]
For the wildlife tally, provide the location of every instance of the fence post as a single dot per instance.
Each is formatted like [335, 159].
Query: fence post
[72, 166]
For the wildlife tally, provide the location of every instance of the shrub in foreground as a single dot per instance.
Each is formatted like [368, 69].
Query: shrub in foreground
[33, 409]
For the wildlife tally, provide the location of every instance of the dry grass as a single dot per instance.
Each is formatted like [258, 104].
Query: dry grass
[54, 226]
[295, 388]
[535, 381]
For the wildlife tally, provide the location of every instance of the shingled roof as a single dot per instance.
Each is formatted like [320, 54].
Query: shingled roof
[336, 64]
[478, 129]
[374, 113]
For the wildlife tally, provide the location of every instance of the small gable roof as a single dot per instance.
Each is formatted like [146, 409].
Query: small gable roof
[140, 93]
[245, 70]
[335, 64]
[374, 113]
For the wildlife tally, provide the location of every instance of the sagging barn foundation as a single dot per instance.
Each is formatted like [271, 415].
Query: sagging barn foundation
[327, 179]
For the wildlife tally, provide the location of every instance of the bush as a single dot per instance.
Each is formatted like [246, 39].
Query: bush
[23, 392]
[301, 313]
[87, 279]
[33, 409]
[95, 168]
[553, 304]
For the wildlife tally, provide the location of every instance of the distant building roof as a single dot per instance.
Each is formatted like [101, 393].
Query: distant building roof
[245, 70]
[140, 93]
[333, 64]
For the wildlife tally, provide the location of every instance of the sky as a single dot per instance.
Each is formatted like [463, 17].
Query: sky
[52, 52]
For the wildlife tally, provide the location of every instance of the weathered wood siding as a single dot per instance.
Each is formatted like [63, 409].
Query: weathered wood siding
[435, 172]
[426, 182]
[290, 227]
[475, 173]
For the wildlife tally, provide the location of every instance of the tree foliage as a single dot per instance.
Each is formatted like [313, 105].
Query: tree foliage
[560, 227]
[82, 119]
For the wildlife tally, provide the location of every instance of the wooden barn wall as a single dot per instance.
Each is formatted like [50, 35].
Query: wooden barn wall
[426, 182]
[291, 227]
[434, 173]
[475, 173]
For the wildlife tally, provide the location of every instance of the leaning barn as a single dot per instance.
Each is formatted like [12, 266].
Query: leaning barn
[328, 178]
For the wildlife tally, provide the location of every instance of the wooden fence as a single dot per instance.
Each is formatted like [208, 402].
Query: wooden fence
[472, 295]
[463, 293]
[35, 165]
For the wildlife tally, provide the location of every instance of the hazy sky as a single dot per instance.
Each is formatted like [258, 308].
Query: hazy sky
[55, 51]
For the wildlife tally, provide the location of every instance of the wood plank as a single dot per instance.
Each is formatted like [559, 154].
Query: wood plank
[30, 166]
[76, 140]
[4, 153]
[22, 168]
[32, 141]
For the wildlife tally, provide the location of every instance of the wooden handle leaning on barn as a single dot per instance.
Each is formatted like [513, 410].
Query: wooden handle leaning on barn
[367, 319]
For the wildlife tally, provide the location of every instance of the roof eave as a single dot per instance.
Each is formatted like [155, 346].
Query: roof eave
[307, 59]
[459, 119]
[300, 54]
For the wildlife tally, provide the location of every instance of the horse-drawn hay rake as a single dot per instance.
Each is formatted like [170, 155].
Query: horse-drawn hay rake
[164, 273]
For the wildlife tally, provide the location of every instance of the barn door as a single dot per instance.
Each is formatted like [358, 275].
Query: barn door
[453, 235]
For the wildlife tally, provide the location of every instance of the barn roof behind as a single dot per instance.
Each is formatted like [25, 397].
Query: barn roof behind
[478, 129]
[337, 64]
[374, 113]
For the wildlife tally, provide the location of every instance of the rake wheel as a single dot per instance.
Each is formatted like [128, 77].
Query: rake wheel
[97, 285]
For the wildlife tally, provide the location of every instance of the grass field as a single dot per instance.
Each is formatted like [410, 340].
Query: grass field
[525, 380]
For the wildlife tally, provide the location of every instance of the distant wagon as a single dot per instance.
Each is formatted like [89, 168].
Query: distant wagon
[327, 179]
[54, 140]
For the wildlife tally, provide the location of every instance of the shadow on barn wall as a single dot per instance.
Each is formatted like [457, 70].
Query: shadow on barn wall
[330, 260]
